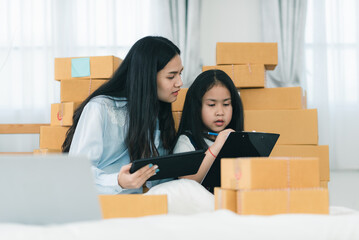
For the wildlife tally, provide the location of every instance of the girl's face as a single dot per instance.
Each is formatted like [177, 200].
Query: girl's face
[169, 80]
[216, 108]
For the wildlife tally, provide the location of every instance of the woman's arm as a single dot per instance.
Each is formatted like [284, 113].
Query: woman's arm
[88, 140]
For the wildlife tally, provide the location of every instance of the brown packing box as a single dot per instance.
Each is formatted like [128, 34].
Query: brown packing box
[132, 205]
[283, 98]
[45, 151]
[52, 137]
[100, 67]
[247, 53]
[321, 152]
[177, 106]
[269, 173]
[62, 113]
[177, 118]
[243, 76]
[294, 126]
[78, 90]
[225, 199]
[279, 201]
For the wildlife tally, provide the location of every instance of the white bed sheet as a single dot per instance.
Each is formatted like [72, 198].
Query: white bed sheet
[342, 223]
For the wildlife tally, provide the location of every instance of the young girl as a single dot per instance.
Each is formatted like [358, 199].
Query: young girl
[129, 117]
[212, 106]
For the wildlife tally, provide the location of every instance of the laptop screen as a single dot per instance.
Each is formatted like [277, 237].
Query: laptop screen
[40, 189]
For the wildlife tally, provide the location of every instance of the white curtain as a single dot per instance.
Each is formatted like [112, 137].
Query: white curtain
[181, 24]
[283, 22]
[34, 32]
[185, 19]
[332, 65]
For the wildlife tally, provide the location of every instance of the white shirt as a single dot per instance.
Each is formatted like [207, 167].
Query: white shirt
[184, 144]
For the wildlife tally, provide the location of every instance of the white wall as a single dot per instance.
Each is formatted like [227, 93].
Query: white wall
[228, 21]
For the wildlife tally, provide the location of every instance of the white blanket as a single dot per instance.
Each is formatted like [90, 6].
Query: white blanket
[341, 224]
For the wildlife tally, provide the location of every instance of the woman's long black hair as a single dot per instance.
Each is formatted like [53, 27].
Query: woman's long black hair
[191, 120]
[136, 80]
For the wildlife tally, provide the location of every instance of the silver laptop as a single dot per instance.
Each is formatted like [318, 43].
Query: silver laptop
[47, 189]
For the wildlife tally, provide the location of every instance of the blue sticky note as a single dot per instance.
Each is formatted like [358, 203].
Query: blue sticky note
[80, 67]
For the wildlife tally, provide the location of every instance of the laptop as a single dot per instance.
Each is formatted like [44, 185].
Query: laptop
[240, 144]
[173, 165]
[38, 189]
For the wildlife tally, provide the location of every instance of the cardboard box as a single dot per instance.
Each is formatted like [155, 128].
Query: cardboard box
[177, 106]
[243, 76]
[132, 205]
[247, 53]
[268, 202]
[269, 173]
[99, 67]
[52, 137]
[177, 118]
[78, 90]
[294, 126]
[225, 199]
[283, 98]
[321, 152]
[62, 113]
[45, 151]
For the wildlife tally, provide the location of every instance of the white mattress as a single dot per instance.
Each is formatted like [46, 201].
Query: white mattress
[342, 223]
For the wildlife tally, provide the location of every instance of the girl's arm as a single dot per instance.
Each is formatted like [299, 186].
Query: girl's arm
[211, 155]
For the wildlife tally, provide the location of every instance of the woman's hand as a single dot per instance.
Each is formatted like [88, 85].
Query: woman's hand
[220, 140]
[137, 179]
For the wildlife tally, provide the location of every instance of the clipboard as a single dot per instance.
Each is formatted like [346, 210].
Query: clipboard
[240, 144]
[172, 166]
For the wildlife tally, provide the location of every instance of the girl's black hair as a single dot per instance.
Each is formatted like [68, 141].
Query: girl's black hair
[136, 80]
[191, 120]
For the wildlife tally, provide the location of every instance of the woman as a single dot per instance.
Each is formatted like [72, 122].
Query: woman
[129, 117]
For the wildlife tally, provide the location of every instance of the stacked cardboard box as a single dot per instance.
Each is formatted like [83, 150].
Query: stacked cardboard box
[283, 110]
[79, 78]
[246, 63]
[275, 185]
[277, 110]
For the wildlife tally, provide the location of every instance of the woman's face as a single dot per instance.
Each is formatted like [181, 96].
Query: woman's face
[216, 108]
[169, 80]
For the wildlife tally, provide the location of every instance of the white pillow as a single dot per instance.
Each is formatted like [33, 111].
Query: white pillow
[185, 196]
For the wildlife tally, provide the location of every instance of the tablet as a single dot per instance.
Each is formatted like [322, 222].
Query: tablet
[172, 166]
[248, 144]
[240, 144]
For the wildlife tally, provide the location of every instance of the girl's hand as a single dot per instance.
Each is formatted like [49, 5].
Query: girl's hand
[220, 140]
[135, 180]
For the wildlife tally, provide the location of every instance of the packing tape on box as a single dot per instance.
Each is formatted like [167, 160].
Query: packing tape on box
[90, 85]
[233, 72]
[288, 185]
[249, 68]
[219, 199]
[60, 113]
